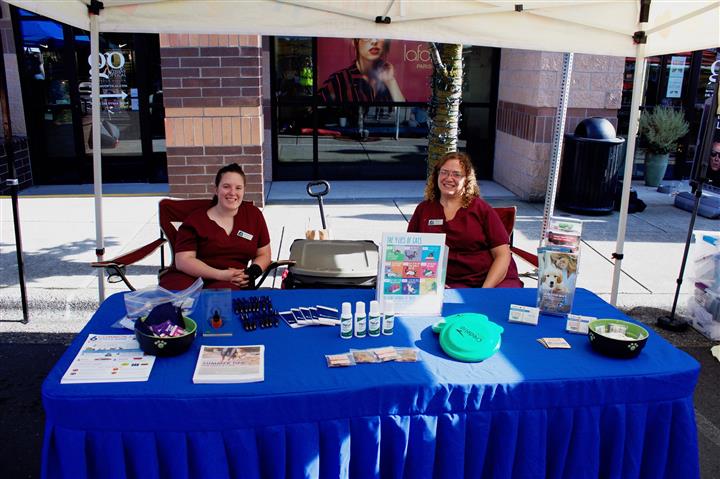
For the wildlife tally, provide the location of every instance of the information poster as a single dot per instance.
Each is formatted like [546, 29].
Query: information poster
[675, 77]
[412, 273]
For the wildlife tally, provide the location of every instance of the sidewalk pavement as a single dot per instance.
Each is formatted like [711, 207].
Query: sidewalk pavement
[58, 235]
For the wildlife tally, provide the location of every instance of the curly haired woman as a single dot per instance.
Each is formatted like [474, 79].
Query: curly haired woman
[479, 250]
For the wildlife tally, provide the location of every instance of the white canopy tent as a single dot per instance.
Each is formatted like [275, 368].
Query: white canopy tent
[628, 28]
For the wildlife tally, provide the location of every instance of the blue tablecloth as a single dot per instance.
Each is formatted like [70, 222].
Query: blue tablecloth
[525, 412]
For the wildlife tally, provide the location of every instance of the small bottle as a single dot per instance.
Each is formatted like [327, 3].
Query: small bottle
[346, 321]
[388, 319]
[374, 319]
[360, 320]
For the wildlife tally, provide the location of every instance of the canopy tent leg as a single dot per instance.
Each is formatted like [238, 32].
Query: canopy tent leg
[558, 130]
[12, 182]
[637, 95]
[93, 12]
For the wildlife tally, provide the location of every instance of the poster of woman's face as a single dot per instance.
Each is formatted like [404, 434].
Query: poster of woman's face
[387, 69]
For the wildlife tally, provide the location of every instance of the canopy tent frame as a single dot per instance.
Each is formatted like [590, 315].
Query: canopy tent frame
[613, 40]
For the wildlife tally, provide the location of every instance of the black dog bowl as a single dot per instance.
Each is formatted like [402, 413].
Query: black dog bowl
[169, 345]
[617, 338]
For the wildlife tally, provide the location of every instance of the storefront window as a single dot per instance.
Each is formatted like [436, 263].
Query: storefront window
[119, 102]
[366, 113]
[294, 70]
[56, 88]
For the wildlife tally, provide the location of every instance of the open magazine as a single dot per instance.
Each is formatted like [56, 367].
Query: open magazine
[558, 265]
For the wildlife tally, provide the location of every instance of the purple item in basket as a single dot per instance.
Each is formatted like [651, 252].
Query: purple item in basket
[167, 328]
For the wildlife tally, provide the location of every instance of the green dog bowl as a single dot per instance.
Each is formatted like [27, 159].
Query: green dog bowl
[170, 345]
[617, 338]
[469, 337]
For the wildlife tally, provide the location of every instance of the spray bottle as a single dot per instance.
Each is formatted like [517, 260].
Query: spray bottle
[360, 320]
[346, 321]
[388, 323]
[374, 319]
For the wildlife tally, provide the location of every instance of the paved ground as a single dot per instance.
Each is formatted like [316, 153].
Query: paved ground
[58, 240]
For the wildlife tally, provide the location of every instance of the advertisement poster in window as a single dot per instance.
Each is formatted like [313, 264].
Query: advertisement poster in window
[373, 70]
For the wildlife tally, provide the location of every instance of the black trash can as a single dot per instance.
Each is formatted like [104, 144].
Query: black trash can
[589, 169]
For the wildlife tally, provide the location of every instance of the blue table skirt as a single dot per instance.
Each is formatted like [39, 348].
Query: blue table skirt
[525, 412]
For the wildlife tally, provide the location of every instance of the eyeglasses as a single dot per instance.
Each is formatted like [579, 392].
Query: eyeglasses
[455, 174]
[714, 153]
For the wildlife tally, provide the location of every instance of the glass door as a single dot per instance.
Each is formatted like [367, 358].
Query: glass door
[55, 75]
[48, 90]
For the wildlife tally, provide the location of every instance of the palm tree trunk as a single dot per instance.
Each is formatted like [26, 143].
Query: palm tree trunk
[445, 103]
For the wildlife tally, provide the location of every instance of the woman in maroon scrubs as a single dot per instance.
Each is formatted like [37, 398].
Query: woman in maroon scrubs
[217, 244]
[479, 250]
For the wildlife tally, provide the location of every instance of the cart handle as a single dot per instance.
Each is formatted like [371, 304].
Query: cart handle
[319, 193]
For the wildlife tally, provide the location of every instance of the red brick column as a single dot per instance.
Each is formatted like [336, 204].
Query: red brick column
[213, 113]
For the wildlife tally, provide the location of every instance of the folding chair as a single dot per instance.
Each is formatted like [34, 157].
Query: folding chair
[171, 213]
[507, 215]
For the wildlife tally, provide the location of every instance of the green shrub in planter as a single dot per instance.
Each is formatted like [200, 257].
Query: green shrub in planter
[662, 128]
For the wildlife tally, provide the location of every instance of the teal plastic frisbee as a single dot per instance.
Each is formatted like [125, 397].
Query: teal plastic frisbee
[469, 337]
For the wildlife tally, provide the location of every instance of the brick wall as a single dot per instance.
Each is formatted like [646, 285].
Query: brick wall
[22, 165]
[528, 96]
[213, 114]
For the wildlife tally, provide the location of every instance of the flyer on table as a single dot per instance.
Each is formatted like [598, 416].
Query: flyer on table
[412, 272]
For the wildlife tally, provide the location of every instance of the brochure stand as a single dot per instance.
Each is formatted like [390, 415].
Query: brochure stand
[412, 271]
[558, 265]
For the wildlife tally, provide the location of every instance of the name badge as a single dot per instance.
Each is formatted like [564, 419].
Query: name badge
[437, 222]
[245, 235]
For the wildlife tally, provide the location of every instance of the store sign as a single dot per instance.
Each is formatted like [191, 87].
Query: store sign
[108, 63]
[675, 77]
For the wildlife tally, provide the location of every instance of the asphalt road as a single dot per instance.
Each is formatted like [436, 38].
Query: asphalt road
[26, 358]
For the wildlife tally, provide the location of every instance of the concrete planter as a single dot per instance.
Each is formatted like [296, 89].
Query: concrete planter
[655, 166]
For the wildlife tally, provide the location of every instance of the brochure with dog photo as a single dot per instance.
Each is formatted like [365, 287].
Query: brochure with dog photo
[557, 275]
[230, 364]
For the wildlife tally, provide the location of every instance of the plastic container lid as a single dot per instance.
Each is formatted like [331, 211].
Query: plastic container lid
[346, 309]
[334, 258]
[360, 308]
[596, 128]
[470, 337]
[374, 308]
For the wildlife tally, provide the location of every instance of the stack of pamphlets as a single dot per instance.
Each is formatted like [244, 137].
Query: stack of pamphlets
[558, 265]
[310, 316]
[230, 364]
[108, 358]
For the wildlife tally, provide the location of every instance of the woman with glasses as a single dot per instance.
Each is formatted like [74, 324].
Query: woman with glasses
[479, 249]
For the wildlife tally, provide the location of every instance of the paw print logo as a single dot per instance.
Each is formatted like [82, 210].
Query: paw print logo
[632, 346]
[160, 344]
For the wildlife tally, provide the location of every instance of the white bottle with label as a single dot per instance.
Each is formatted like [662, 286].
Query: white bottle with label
[374, 319]
[360, 320]
[388, 323]
[346, 321]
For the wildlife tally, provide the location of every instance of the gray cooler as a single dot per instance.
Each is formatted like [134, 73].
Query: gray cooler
[332, 264]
